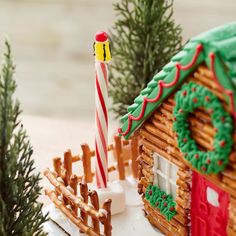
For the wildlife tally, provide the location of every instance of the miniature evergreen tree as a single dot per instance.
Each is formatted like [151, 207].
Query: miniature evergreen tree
[144, 38]
[20, 214]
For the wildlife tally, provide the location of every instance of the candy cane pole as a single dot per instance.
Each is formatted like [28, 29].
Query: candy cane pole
[102, 58]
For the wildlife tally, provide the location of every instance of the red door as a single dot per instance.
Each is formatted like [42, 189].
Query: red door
[209, 208]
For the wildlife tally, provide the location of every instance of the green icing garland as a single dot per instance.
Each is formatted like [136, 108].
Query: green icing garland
[190, 97]
[159, 199]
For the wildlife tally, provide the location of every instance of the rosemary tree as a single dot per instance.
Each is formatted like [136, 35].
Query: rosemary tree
[20, 214]
[144, 38]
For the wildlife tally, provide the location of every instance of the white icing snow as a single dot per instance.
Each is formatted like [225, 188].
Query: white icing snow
[115, 192]
[59, 179]
[103, 212]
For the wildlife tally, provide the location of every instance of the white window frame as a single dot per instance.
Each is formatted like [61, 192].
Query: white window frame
[165, 175]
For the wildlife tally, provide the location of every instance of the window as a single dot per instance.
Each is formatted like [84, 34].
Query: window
[212, 197]
[165, 174]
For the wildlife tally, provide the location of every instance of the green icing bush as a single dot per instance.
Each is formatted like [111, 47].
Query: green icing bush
[161, 200]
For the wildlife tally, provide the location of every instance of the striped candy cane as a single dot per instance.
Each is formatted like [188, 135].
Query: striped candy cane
[102, 57]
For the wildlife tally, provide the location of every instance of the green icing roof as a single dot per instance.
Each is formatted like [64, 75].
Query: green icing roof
[221, 41]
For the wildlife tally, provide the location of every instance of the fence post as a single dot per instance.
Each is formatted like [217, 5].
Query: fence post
[68, 166]
[95, 202]
[134, 155]
[107, 224]
[73, 185]
[120, 160]
[86, 158]
[57, 166]
[84, 194]
[57, 169]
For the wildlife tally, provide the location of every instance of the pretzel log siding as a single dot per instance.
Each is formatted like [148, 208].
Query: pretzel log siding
[158, 136]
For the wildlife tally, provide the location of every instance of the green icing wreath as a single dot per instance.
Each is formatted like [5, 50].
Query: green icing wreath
[161, 200]
[190, 97]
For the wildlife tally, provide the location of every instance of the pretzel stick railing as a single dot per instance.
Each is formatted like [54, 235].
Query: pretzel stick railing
[92, 153]
[66, 185]
[118, 147]
[70, 215]
[110, 169]
[72, 198]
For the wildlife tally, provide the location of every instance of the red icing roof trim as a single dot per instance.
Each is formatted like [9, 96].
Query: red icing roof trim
[161, 85]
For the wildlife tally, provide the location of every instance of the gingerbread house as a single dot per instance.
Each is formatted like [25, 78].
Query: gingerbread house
[186, 120]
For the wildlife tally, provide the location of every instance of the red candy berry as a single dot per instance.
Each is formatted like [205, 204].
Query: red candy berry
[207, 98]
[174, 118]
[150, 192]
[180, 110]
[203, 168]
[208, 161]
[193, 89]
[184, 93]
[157, 203]
[195, 100]
[101, 36]
[220, 162]
[197, 156]
[185, 140]
[165, 204]
[171, 208]
[222, 119]
[222, 143]
[164, 197]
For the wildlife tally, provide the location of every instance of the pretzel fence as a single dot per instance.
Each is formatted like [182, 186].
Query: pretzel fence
[70, 192]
